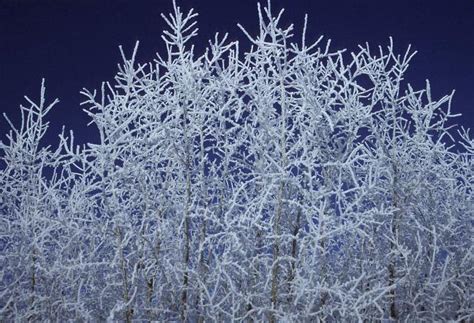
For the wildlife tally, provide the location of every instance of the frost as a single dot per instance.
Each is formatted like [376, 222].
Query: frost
[285, 183]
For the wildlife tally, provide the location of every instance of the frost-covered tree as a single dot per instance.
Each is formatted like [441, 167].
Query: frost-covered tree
[287, 182]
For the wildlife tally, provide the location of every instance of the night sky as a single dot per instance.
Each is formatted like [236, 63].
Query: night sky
[74, 44]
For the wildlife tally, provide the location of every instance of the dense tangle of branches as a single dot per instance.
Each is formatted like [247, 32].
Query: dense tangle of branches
[286, 182]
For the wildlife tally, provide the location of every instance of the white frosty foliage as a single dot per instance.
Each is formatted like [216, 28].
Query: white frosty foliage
[285, 183]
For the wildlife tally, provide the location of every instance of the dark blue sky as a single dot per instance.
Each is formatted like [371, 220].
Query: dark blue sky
[74, 43]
